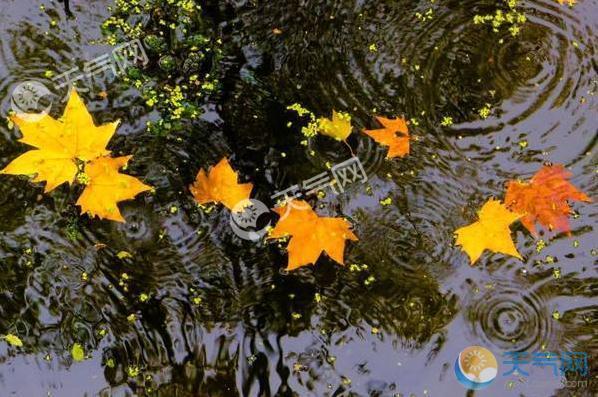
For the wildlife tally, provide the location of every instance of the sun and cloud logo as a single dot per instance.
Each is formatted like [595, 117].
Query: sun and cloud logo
[476, 367]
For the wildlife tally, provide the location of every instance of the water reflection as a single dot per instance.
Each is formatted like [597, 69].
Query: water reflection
[199, 312]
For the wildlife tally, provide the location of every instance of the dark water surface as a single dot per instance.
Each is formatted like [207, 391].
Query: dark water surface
[394, 327]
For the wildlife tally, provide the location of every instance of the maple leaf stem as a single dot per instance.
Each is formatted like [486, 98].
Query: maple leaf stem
[350, 148]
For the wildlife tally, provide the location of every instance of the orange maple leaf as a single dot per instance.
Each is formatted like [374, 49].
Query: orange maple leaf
[398, 146]
[311, 234]
[220, 185]
[544, 198]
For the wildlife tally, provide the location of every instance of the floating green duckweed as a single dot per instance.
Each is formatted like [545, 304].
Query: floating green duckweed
[133, 371]
[184, 56]
[311, 129]
[512, 18]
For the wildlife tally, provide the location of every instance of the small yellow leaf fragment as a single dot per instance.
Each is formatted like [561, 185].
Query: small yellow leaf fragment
[13, 340]
[124, 255]
[556, 273]
[297, 367]
[446, 121]
[385, 202]
[540, 245]
[77, 352]
[485, 111]
[133, 371]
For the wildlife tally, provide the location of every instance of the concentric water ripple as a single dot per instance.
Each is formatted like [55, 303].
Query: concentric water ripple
[511, 319]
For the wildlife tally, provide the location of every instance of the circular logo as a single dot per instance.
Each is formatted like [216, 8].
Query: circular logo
[31, 100]
[247, 219]
[476, 367]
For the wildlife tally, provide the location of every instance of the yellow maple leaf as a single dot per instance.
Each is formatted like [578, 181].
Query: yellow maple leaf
[339, 127]
[398, 145]
[59, 144]
[106, 187]
[569, 2]
[491, 232]
[220, 185]
[311, 234]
